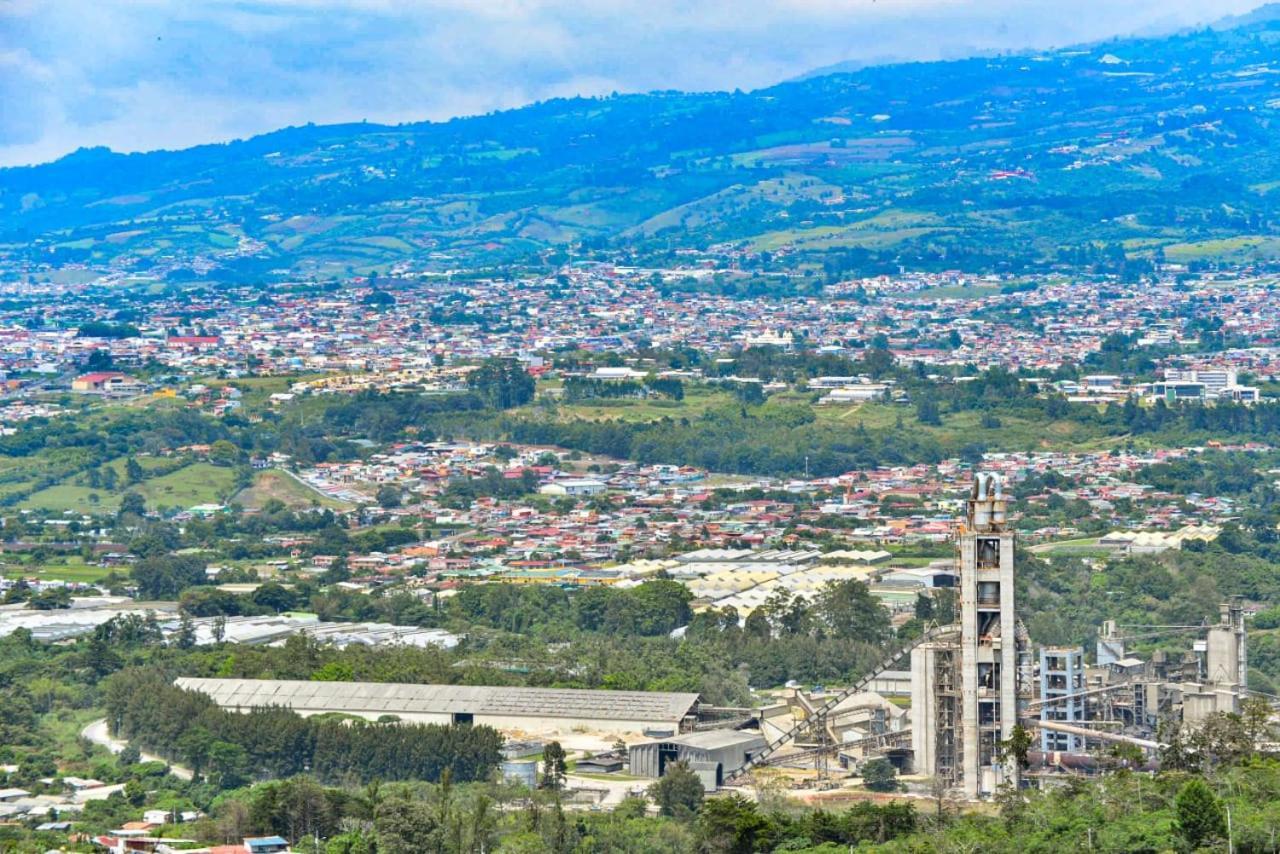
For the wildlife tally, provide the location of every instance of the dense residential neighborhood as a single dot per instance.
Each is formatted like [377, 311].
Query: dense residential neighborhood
[745, 433]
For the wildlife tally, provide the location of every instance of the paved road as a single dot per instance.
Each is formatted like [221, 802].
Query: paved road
[97, 733]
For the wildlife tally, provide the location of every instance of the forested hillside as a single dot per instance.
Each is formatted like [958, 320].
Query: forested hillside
[990, 163]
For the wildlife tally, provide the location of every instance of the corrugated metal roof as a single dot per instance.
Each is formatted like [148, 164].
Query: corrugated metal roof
[402, 698]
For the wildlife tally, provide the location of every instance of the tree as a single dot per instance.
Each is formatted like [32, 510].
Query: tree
[130, 502]
[338, 571]
[223, 453]
[1016, 746]
[406, 827]
[679, 794]
[275, 596]
[1199, 816]
[194, 748]
[135, 792]
[356, 841]
[210, 602]
[165, 577]
[99, 360]
[733, 825]
[133, 472]
[877, 361]
[927, 412]
[99, 657]
[18, 718]
[849, 611]
[944, 601]
[228, 765]
[750, 394]
[502, 383]
[54, 598]
[307, 810]
[554, 766]
[378, 299]
[924, 607]
[879, 775]
[185, 637]
[388, 496]
[233, 822]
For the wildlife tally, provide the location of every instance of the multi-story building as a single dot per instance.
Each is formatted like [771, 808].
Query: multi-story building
[1061, 684]
[966, 684]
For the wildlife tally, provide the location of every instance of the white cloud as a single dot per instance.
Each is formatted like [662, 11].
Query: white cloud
[140, 74]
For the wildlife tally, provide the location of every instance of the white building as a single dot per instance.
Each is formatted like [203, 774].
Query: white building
[543, 711]
[574, 487]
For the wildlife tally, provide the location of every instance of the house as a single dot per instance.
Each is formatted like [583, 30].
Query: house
[255, 845]
[106, 382]
[194, 342]
[857, 393]
[574, 487]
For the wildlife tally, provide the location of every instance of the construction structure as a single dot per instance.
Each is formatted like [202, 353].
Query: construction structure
[1061, 697]
[974, 681]
[970, 682]
[966, 678]
[966, 684]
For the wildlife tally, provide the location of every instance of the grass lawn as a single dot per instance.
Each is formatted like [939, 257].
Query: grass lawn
[1230, 248]
[957, 428]
[64, 727]
[198, 483]
[68, 496]
[697, 400]
[61, 568]
[1014, 433]
[257, 390]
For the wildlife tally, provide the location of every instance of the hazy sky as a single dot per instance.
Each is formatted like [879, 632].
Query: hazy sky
[142, 74]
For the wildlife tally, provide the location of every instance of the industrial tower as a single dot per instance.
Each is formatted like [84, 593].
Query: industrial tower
[965, 686]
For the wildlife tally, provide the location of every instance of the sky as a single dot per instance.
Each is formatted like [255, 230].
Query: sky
[143, 74]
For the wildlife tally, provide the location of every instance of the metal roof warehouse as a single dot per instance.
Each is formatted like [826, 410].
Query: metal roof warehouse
[545, 710]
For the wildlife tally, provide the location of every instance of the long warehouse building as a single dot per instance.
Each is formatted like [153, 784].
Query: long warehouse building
[544, 711]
